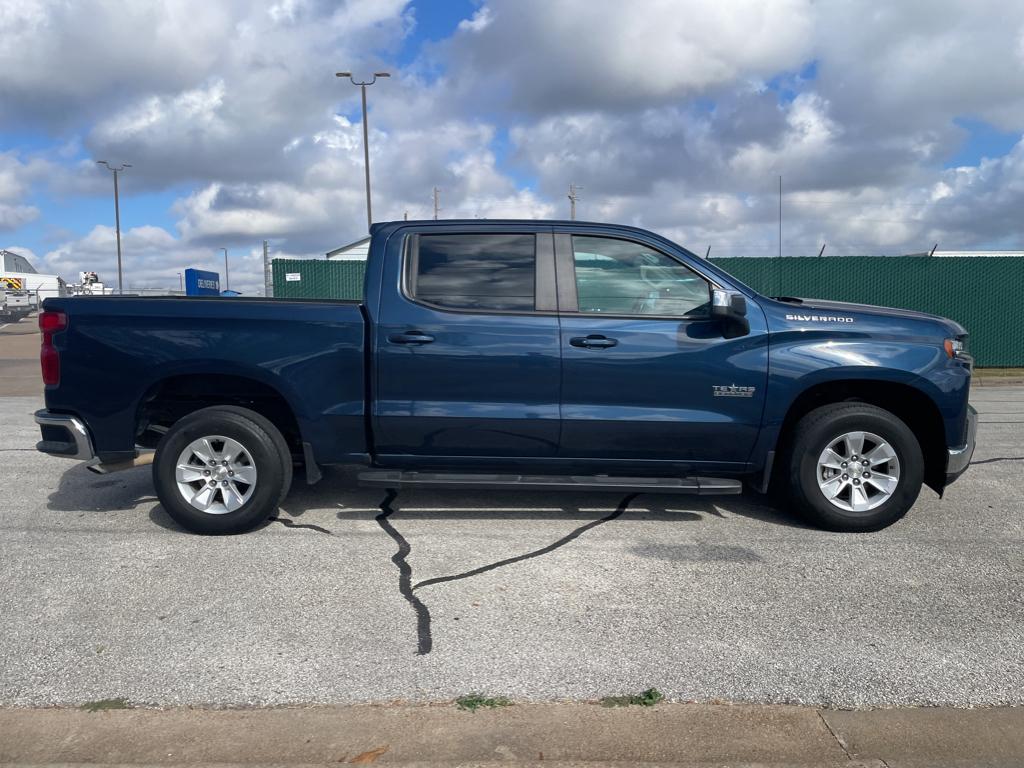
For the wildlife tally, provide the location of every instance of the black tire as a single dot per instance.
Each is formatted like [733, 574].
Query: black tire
[269, 455]
[816, 431]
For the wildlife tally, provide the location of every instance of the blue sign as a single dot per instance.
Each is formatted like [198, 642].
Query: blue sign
[201, 283]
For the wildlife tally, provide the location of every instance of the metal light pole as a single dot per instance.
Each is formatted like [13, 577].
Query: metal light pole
[227, 277]
[117, 215]
[181, 283]
[366, 139]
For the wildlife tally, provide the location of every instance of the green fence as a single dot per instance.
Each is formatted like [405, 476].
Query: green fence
[981, 293]
[318, 279]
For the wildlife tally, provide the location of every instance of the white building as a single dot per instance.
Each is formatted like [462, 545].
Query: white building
[356, 251]
[16, 274]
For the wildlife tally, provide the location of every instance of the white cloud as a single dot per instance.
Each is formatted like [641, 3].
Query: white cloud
[911, 63]
[478, 22]
[15, 180]
[809, 139]
[581, 54]
[151, 258]
[14, 216]
[678, 115]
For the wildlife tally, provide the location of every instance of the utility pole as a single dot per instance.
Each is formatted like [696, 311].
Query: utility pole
[227, 278]
[268, 277]
[780, 216]
[117, 217]
[778, 264]
[573, 197]
[181, 283]
[366, 135]
[437, 202]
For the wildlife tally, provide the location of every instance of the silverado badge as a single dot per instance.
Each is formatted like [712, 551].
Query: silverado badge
[819, 318]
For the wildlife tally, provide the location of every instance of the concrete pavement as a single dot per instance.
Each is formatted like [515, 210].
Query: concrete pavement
[19, 358]
[538, 734]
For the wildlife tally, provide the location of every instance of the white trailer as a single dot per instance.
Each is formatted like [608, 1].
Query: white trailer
[17, 275]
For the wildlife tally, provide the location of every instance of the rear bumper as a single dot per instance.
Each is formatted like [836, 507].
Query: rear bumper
[64, 435]
[960, 458]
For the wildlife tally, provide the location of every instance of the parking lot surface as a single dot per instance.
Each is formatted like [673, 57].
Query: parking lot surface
[356, 595]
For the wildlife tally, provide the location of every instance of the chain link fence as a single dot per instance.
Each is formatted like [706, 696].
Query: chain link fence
[981, 293]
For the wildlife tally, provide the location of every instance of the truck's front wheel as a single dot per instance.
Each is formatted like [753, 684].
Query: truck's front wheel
[222, 470]
[854, 467]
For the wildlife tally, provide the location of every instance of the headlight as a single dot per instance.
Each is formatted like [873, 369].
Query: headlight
[954, 347]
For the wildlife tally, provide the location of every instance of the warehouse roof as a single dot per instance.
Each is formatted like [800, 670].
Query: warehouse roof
[14, 262]
[354, 250]
[960, 254]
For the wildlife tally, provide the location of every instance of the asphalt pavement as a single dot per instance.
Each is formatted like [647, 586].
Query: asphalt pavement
[355, 595]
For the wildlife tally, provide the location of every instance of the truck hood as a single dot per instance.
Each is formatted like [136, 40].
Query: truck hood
[809, 306]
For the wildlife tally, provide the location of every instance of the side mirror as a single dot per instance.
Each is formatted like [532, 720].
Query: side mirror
[731, 309]
[726, 304]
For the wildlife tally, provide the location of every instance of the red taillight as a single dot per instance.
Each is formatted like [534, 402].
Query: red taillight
[50, 323]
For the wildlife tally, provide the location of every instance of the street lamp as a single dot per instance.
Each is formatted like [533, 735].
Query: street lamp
[117, 215]
[227, 278]
[366, 141]
[181, 283]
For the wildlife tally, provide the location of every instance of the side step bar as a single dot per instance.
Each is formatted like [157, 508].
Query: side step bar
[693, 485]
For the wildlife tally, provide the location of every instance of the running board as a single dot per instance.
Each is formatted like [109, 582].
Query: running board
[705, 486]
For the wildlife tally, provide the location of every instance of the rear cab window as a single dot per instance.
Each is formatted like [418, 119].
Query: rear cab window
[479, 271]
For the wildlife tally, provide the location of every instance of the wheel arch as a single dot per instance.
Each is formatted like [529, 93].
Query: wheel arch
[176, 395]
[906, 402]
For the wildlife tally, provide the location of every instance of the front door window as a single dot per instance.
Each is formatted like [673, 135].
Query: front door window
[624, 278]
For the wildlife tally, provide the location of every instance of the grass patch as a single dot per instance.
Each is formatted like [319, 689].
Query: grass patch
[101, 705]
[475, 701]
[647, 698]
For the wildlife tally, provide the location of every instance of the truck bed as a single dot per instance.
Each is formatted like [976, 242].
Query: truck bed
[118, 350]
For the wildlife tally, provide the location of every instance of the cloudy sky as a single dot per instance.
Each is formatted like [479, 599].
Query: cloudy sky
[893, 125]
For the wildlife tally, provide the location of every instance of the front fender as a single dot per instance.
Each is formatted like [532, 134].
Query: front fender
[802, 361]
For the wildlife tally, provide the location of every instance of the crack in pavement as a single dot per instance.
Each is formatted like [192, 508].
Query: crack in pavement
[424, 630]
[424, 636]
[537, 552]
[292, 524]
[839, 741]
[998, 458]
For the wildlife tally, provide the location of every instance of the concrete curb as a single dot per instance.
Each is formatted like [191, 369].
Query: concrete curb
[525, 734]
[996, 381]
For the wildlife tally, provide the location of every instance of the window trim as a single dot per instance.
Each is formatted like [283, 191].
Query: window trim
[565, 256]
[544, 285]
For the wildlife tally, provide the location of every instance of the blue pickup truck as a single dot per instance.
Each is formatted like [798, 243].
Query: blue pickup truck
[514, 355]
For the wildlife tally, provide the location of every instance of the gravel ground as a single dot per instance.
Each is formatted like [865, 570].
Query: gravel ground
[526, 595]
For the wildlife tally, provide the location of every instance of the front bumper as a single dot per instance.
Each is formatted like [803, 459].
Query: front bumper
[64, 435]
[960, 458]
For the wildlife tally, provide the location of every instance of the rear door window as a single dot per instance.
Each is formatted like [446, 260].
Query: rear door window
[493, 272]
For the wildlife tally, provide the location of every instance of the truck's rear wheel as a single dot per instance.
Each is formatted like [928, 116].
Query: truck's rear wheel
[854, 467]
[222, 470]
